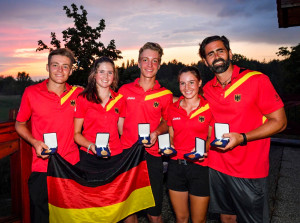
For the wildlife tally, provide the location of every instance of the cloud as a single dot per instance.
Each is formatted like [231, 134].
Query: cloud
[172, 23]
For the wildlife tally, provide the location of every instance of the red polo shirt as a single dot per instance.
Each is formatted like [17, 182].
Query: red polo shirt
[189, 126]
[242, 104]
[143, 107]
[98, 119]
[50, 113]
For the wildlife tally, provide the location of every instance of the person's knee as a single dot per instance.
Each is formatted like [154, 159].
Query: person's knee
[226, 218]
[182, 218]
[155, 219]
[131, 219]
[199, 220]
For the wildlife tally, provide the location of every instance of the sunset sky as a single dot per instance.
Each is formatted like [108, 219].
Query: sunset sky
[179, 26]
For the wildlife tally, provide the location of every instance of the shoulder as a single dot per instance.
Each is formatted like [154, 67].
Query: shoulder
[77, 88]
[32, 89]
[81, 100]
[246, 73]
[164, 92]
[125, 86]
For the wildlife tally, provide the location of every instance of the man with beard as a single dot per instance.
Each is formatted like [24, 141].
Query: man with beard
[248, 102]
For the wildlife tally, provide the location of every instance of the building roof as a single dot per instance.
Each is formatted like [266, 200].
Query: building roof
[288, 13]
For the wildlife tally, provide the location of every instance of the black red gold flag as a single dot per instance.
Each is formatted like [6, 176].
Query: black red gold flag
[117, 190]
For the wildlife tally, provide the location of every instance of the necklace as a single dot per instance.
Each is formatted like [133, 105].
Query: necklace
[225, 82]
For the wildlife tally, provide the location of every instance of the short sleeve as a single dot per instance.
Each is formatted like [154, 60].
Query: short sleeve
[81, 107]
[268, 99]
[168, 100]
[122, 107]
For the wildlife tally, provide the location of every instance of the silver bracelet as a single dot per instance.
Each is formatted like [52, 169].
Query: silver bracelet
[89, 147]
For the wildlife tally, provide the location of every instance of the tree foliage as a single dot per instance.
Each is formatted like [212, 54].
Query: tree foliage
[283, 51]
[291, 65]
[12, 86]
[84, 41]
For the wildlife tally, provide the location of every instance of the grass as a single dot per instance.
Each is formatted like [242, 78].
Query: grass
[8, 102]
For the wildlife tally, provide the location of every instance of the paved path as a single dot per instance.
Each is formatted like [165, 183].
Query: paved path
[284, 185]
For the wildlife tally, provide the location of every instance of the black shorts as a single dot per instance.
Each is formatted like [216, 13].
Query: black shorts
[38, 194]
[156, 176]
[246, 198]
[186, 176]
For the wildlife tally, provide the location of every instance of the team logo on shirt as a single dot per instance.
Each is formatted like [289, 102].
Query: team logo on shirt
[117, 110]
[156, 104]
[201, 119]
[73, 103]
[237, 97]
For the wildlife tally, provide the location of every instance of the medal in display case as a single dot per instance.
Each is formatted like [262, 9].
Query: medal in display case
[50, 140]
[102, 145]
[165, 145]
[220, 130]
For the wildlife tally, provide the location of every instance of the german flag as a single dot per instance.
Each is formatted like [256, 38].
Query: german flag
[108, 195]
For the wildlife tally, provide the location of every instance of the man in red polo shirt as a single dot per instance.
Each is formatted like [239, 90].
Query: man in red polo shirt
[50, 106]
[147, 102]
[248, 102]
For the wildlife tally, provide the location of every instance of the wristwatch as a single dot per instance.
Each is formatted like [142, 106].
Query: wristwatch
[245, 139]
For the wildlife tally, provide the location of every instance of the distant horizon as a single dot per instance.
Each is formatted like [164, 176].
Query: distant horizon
[127, 57]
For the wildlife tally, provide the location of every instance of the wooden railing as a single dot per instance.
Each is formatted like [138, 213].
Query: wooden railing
[20, 168]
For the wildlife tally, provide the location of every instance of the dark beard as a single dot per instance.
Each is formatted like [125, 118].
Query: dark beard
[220, 68]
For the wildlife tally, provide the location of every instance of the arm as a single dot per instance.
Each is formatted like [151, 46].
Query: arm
[23, 130]
[120, 125]
[161, 129]
[171, 133]
[208, 138]
[79, 138]
[276, 123]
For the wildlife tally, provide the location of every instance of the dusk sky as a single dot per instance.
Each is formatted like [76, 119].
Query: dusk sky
[179, 26]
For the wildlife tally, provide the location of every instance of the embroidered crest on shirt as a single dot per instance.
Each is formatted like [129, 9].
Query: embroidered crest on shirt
[72, 102]
[155, 104]
[117, 110]
[201, 119]
[237, 97]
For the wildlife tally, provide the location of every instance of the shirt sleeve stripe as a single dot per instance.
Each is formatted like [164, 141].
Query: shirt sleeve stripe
[157, 95]
[65, 98]
[239, 82]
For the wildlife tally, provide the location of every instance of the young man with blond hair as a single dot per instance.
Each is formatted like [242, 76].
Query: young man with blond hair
[147, 102]
[50, 106]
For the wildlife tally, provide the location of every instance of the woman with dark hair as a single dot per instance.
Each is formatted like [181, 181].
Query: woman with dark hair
[98, 110]
[189, 117]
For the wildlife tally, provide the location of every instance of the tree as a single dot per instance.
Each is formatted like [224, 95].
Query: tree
[283, 51]
[23, 77]
[8, 85]
[83, 40]
[291, 64]
[23, 81]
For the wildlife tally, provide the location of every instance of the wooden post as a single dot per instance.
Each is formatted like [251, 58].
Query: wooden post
[20, 167]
